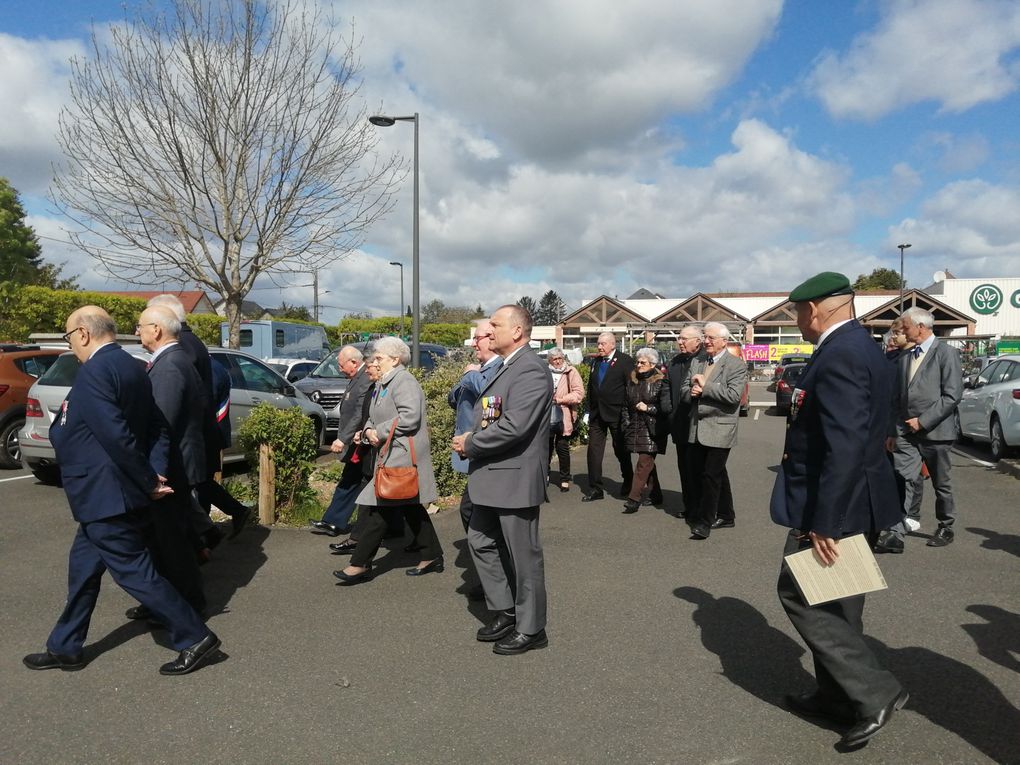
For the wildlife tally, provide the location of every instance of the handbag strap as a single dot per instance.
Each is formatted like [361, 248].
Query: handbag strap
[388, 446]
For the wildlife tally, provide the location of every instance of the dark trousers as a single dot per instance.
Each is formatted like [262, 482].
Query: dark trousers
[645, 474]
[560, 445]
[169, 539]
[118, 545]
[683, 465]
[845, 667]
[211, 493]
[341, 507]
[422, 531]
[710, 485]
[597, 431]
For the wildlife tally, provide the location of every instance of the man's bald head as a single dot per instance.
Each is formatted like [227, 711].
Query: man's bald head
[87, 328]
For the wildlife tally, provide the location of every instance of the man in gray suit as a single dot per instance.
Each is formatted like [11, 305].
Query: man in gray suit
[713, 388]
[508, 452]
[929, 386]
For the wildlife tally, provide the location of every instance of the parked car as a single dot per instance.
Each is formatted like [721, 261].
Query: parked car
[251, 383]
[20, 366]
[745, 397]
[325, 385]
[292, 370]
[990, 408]
[785, 385]
[789, 358]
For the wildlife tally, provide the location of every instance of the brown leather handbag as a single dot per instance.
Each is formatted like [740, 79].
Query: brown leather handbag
[396, 483]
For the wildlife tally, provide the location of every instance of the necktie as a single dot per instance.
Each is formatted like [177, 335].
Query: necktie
[915, 362]
[601, 374]
[917, 351]
[711, 360]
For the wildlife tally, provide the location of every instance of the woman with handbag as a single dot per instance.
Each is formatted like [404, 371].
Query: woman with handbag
[644, 424]
[568, 393]
[403, 477]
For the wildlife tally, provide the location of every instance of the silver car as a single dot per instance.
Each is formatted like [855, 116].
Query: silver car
[251, 383]
[990, 407]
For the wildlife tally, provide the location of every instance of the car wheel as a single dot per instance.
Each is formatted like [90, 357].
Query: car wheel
[318, 430]
[996, 442]
[10, 449]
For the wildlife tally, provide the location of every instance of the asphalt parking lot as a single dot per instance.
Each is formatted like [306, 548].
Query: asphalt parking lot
[662, 650]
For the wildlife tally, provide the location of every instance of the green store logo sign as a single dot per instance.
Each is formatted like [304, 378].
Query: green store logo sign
[1014, 299]
[986, 299]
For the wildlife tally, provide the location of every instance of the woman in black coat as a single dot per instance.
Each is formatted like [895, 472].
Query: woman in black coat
[645, 423]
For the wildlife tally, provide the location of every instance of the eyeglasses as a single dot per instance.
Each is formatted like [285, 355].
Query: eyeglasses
[146, 324]
[639, 362]
[67, 335]
[714, 337]
[476, 338]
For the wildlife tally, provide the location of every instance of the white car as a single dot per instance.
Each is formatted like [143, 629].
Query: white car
[293, 370]
[251, 383]
[990, 408]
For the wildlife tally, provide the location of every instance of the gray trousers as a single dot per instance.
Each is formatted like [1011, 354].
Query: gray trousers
[907, 457]
[518, 527]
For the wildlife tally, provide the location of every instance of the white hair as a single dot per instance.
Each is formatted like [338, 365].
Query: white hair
[351, 353]
[609, 335]
[394, 347]
[647, 353]
[919, 316]
[698, 332]
[169, 301]
[717, 327]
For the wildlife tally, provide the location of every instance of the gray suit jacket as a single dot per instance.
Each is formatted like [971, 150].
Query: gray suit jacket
[181, 396]
[398, 397]
[714, 414]
[509, 456]
[932, 396]
[351, 408]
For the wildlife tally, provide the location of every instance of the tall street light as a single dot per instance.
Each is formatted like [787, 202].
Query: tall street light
[902, 248]
[401, 267]
[381, 120]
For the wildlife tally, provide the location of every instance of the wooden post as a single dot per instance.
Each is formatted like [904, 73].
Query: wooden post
[267, 485]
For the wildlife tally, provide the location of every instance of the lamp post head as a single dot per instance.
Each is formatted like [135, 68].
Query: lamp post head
[381, 120]
[394, 263]
[903, 246]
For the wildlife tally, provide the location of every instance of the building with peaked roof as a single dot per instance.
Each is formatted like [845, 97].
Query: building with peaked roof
[194, 301]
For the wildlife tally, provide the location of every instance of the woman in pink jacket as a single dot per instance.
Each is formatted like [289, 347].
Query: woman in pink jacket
[568, 392]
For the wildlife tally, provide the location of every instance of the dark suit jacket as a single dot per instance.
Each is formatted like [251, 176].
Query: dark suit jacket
[202, 361]
[351, 413]
[607, 400]
[509, 457]
[932, 396]
[836, 478]
[680, 415]
[177, 389]
[110, 438]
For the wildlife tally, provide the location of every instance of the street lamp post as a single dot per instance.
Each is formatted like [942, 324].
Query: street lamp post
[401, 267]
[902, 248]
[381, 120]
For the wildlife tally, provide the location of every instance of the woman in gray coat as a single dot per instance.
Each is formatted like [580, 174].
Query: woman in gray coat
[397, 399]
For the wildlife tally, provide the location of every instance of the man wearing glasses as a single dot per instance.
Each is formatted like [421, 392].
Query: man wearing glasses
[351, 363]
[713, 389]
[607, 397]
[689, 346]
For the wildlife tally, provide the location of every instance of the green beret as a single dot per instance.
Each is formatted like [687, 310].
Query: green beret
[820, 286]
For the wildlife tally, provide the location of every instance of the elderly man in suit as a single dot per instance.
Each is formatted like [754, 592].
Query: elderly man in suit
[508, 449]
[712, 389]
[111, 442]
[607, 397]
[689, 347]
[176, 387]
[929, 386]
[836, 481]
[335, 520]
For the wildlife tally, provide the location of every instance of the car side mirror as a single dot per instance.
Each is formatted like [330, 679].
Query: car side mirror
[288, 391]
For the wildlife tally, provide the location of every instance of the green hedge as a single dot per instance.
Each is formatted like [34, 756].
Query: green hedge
[27, 310]
[441, 418]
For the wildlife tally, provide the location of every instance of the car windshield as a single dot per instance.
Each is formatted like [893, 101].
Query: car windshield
[328, 367]
[62, 372]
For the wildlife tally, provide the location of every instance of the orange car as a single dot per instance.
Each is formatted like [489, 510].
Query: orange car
[20, 365]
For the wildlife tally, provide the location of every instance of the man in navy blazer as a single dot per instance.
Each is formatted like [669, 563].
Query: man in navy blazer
[111, 442]
[835, 481]
[607, 396]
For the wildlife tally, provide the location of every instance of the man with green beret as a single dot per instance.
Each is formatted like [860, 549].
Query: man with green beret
[835, 481]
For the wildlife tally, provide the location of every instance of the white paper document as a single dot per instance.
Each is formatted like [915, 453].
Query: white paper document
[855, 572]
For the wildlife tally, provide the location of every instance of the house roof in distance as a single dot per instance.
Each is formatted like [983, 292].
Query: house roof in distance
[194, 301]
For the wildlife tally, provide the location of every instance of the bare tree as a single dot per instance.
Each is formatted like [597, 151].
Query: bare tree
[217, 140]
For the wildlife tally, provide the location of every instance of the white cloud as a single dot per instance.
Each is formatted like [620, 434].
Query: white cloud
[953, 52]
[33, 88]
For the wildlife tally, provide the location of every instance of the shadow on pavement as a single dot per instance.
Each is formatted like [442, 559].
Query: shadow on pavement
[233, 566]
[476, 608]
[995, 540]
[998, 639]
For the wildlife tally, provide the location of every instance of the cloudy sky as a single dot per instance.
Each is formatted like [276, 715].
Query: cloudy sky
[598, 147]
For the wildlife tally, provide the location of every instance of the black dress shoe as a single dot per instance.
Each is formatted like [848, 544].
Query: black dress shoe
[943, 537]
[722, 523]
[321, 527]
[520, 643]
[436, 565]
[211, 538]
[192, 657]
[631, 506]
[813, 705]
[498, 628]
[237, 522]
[364, 576]
[869, 726]
[594, 496]
[48, 660]
[138, 612]
[342, 548]
[655, 499]
[888, 542]
[700, 531]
